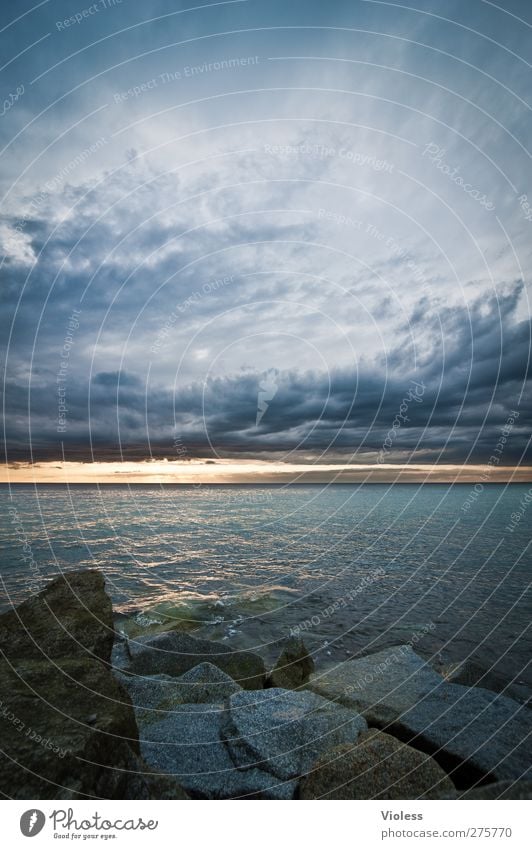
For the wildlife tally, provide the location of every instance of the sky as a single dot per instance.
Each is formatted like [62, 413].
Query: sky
[288, 233]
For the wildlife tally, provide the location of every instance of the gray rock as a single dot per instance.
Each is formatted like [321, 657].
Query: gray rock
[470, 674]
[173, 653]
[473, 731]
[500, 790]
[120, 657]
[283, 731]
[377, 767]
[153, 696]
[203, 747]
[205, 683]
[188, 746]
[293, 667]
[162, 786]
[381, 686]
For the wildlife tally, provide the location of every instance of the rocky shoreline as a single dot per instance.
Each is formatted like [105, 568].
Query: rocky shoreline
[87, 713]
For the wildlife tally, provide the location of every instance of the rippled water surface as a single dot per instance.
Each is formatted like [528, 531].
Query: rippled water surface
[355, 567]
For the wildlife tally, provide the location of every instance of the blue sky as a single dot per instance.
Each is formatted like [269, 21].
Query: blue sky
[299, 209]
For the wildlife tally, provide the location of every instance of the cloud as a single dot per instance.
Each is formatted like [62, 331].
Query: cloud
[277, 218]
[457, 412]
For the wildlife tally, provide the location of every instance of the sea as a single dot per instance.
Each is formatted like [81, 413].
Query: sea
[350, 568]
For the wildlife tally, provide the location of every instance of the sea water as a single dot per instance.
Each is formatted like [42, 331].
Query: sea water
[349, 568]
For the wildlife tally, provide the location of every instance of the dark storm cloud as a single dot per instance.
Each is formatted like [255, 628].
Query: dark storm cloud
[459, 416]
[471, 360]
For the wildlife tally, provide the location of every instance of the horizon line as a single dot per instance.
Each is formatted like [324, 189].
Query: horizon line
[253, 472]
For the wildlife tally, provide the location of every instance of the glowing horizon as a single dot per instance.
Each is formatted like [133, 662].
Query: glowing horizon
[203, 471]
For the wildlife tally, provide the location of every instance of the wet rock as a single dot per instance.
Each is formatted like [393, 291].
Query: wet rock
[283, 731]
[173, 653]
[293, 667]
[71, 617]
[148, 624]
[377, 767]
